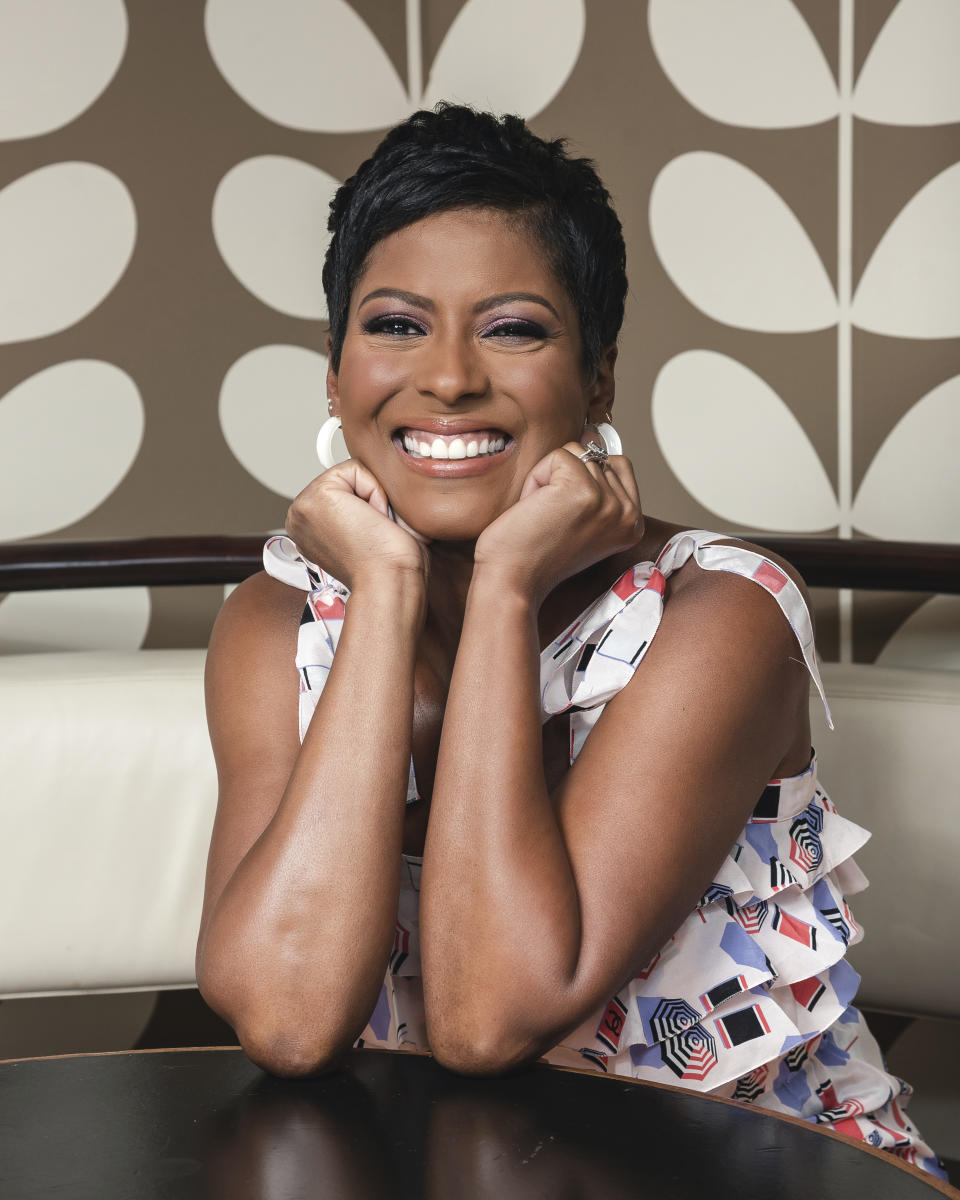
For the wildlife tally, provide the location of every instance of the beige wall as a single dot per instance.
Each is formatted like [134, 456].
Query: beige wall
[788, 176]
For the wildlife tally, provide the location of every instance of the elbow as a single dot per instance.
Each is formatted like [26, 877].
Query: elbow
[289, 1054]
[482, 1048]
[279, 1045]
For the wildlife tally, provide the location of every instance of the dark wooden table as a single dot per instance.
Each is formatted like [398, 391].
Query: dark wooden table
[181, 1124]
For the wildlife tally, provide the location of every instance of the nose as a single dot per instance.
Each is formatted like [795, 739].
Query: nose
[450, 368]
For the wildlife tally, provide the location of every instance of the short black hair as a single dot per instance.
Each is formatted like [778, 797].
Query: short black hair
[455, 157]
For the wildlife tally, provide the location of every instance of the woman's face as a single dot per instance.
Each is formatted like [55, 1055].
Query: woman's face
[461, 368]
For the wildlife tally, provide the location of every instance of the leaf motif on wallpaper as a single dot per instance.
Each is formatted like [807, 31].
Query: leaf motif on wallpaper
[911, 285]
[56, 465]
[272, 403]
[521, 73]
[754, 63]
[306, 64]
[734, 248]
[269, 223]
[74, 619]
[67, 233]
[737, 448]
[929, 638]
[911, 490]
[912, 74]
[56, 58]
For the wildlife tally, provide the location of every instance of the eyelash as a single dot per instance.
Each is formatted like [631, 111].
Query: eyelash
[402, 327]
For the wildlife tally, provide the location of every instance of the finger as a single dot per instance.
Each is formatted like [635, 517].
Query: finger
[620, 466]
[542, 473]
[620, 469]
[593, 466]
[613, 481]
[354, 476]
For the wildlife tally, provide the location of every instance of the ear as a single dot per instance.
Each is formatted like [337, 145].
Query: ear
[333, 382]
[603, 387]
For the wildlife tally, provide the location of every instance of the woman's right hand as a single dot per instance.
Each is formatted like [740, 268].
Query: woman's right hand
[341, 522]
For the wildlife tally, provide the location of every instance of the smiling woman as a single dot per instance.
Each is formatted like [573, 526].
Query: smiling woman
[553, 793]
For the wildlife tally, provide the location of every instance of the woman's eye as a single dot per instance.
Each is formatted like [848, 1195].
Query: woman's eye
[516, 330]
[393, 326]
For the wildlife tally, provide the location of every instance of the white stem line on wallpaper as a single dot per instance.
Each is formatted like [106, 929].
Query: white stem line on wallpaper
[844, 296]
[414, 53]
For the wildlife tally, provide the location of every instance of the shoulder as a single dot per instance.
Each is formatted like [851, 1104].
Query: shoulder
[260, 607]
[740, 589]
[251, 658]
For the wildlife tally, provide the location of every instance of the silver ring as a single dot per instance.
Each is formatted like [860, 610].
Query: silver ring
[593, 453]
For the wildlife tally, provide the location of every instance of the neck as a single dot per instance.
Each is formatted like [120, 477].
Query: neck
[451, 570]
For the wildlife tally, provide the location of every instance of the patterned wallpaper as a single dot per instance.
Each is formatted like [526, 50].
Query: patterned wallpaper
[788, 176]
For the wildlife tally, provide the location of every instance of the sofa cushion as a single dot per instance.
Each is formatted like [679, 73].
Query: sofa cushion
[109, 791]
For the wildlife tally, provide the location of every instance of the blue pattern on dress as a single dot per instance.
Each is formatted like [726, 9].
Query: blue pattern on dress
[829, 1053]
[380, 1018]
[742, 948]
[791, 1087]
[762, 841]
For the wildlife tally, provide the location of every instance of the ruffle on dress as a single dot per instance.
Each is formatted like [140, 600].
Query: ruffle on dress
[758, 967]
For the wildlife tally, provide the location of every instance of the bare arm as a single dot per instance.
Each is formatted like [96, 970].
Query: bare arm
[536, 908]
[303, 875]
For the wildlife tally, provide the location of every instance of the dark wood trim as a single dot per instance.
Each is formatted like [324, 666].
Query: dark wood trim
[126, 562]
[875, 566]
[129, 562]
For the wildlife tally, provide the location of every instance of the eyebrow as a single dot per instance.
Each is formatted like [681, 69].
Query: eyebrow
[481, 306]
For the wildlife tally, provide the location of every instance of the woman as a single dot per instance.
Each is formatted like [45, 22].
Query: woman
[556, 832]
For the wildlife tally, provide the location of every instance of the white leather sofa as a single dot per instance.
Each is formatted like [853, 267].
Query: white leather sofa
[108, 790]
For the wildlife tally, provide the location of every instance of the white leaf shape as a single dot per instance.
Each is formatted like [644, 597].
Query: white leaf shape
[68, 435]
[911, 491]
[747, 62]
[56, 58]
[272, 403]
[74, 619]
[66, 236]
[734, 248]
[929, 638]
[270, 225]
[737, 448]
[508, 55]
[306, 64]
[912, 74]
[911, 285]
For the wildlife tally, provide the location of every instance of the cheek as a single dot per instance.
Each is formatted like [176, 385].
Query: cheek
[365, 376]
[551, 397]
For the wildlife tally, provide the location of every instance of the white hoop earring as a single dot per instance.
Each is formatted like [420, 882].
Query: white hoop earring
[611, 439]
[326, 450]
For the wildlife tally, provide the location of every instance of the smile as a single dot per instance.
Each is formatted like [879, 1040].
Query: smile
[479, 443]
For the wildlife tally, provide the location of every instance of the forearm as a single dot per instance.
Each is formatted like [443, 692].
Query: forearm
[297, 943]
[496, 867]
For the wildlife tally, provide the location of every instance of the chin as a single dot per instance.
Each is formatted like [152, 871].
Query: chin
[448, 522]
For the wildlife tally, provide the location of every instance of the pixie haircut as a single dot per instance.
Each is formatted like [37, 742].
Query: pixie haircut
[455, 157]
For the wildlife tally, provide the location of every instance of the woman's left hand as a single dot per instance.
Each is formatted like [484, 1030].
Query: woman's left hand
[570, 514]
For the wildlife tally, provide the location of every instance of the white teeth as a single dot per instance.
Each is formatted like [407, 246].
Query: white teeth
[458, 448]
